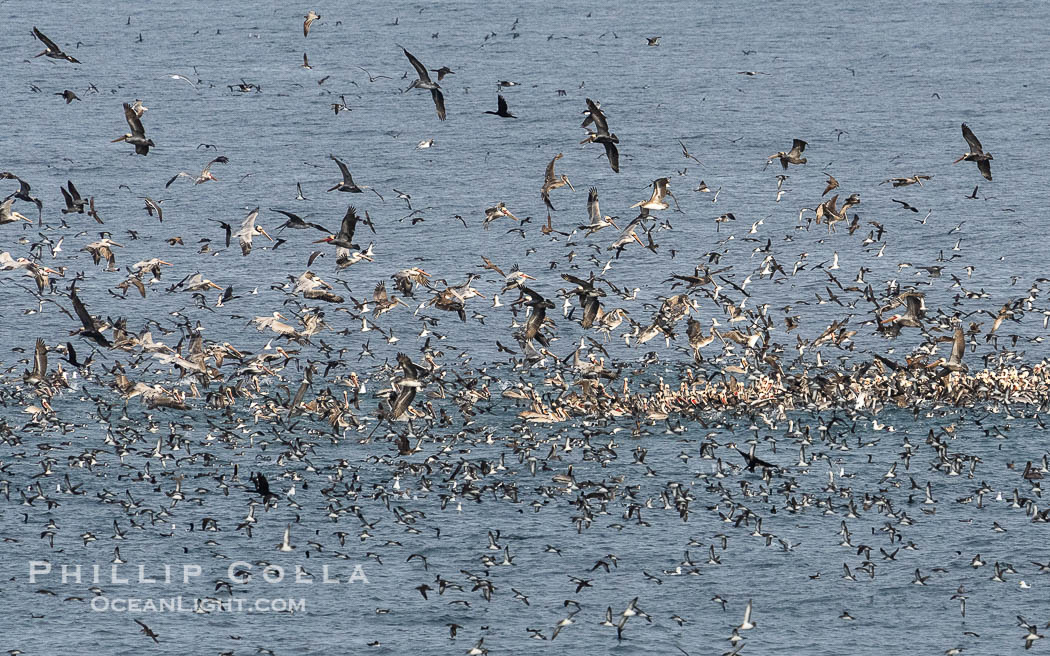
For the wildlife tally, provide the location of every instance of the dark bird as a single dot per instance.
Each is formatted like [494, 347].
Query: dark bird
[345, 237]
[347, 183]
[90, 329]
[296, 222]
[51, 49]
[976, 153]
[68, 96]
[501, 110]
[74, 203]
[148, 632]
[424, 82]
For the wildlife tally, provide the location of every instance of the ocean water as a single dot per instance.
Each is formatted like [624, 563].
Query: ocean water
[876, 92]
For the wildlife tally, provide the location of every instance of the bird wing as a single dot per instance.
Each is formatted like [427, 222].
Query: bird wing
[51, 45]
[379, 295]
[421, 70]
[221, 159]
[153, 206]
[502, 104]
[346, 230]
[40, 358]
[797, 146]
[439, 102]
[81, 311]
[971, 139]
[73, 190]
[985, 168]
[347, 178]
[133, 121]
[596, 115]
[613, 155]
[549, 177]
[593, 213]
[958, 346]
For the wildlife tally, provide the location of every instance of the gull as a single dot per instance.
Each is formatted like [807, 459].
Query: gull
[205, 174]
[286, 545]
[309, 19]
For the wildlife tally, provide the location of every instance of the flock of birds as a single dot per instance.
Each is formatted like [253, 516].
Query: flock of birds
[561, 419]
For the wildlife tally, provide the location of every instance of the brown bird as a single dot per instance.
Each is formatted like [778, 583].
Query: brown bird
[137, 136]
[424, 82]
[793, 156]
[601, 134]
[551, 182]
[51, 49]
[68, 96]
[976, 153]
[832, 184]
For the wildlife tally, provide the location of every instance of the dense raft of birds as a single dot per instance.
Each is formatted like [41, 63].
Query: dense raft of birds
[580, 374]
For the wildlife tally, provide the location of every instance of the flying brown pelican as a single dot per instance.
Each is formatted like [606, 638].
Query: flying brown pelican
[501, 110]
[656, 201]
[39, 372]
[601, 134]
[205, 174]
[312, 287]
[550, 182]
[913, 316]
[137, 136]
[345, 237]
[68, 96]
[538, 316]
[954, 361]
[793, 156]
[424, 82]
[406, 280]
[382, 302]
[51, 49]
[74, 203]
[976, 153]
[297, 222]
[90, 329]
[248, 230]
[309, 19]
[347, 183]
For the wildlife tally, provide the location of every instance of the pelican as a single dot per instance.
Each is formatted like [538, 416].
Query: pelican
[205, 175]
[551, 182]
[39, 373]
[347, 183]
[51, 49]
[601, 134]
[913, 316]
[501, 109]
[248, 230]
[103, 250]
[298, 223]
[90, 329]
[312, 287]
[656, 201]
[382, 302]
[345, 237]
[406, 280]
[594, 214]
[424, 82]
[7, 215]
[976, 153]
[137, 136]
[954, 361]
[793, 156]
